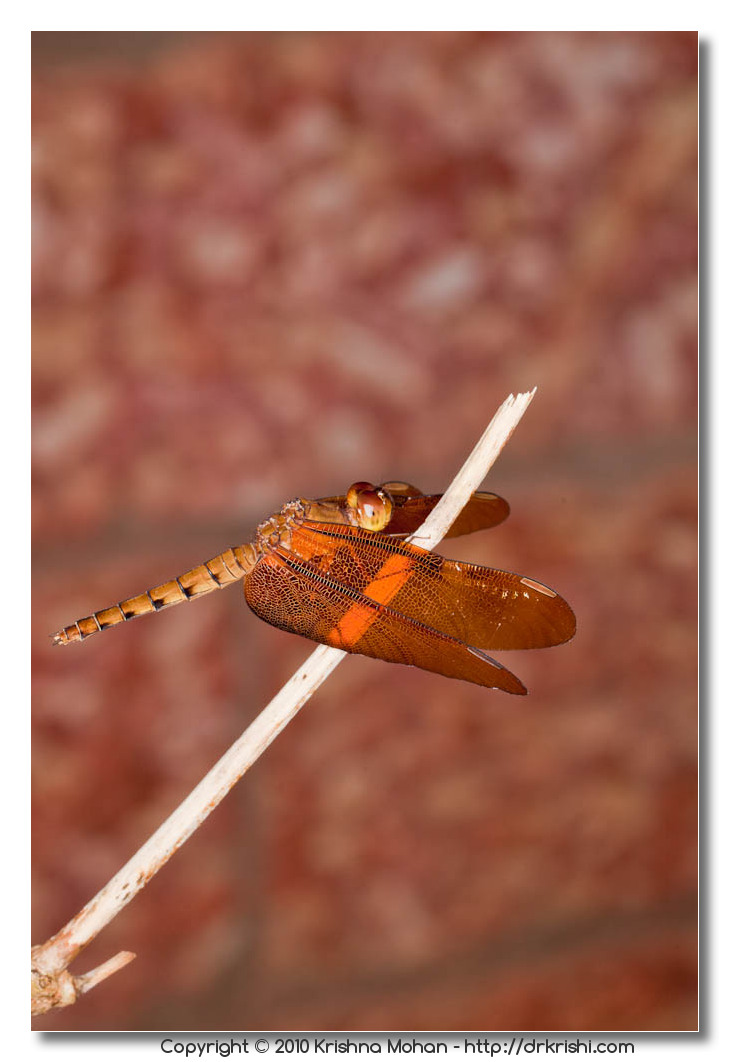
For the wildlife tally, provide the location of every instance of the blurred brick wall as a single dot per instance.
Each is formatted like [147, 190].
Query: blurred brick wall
[266, 266]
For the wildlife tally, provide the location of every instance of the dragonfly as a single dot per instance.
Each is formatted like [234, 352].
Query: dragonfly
[340, 571]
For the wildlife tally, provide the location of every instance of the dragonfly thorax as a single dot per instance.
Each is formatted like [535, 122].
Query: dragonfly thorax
[276, 531]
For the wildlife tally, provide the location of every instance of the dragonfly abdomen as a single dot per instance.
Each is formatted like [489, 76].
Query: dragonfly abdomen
[228, 567]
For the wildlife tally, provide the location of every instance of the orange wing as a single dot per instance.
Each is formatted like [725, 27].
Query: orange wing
[482, 510]
[481, 606]
[292, 594]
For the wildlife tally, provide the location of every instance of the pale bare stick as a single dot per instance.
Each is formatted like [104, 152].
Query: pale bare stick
[51, 959]
[51, 991]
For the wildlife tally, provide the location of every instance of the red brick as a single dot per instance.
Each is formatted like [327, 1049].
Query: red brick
[647, 983]
[591, 293]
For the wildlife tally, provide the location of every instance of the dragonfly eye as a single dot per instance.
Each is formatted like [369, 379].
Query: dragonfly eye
[372, 506]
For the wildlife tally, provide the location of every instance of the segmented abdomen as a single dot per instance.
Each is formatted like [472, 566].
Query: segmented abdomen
[214, 574]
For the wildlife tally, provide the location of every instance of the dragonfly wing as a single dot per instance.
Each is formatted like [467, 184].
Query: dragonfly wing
[291, 594]
[482, 510]
[481, 606]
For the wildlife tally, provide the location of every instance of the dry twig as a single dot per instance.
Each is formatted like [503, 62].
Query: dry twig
[52, 985]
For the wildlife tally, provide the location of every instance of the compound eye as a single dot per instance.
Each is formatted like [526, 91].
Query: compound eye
[372, 506]
[354, 492]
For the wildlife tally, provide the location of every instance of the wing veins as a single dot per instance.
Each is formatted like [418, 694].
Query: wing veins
[367, 627]
[473, 603]
[360, 598]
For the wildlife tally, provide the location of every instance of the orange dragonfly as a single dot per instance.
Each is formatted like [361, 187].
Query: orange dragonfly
[339, 571]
